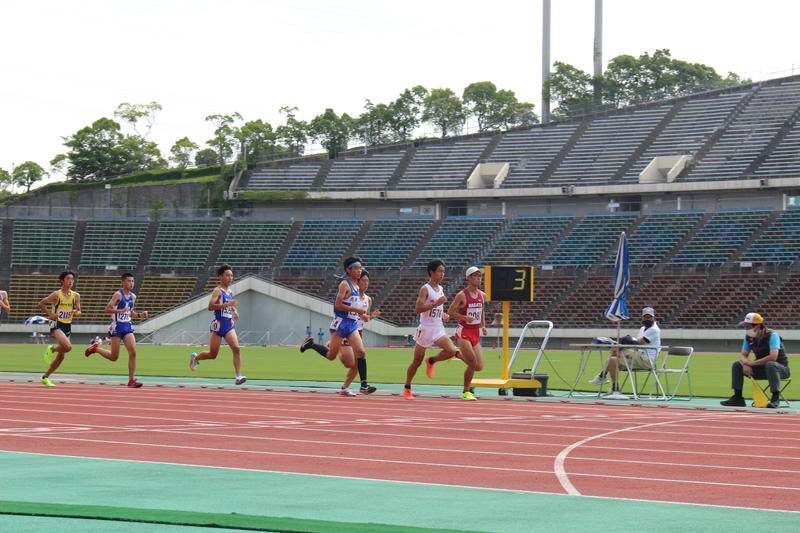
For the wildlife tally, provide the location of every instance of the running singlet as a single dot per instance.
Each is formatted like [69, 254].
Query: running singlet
[351, 300]
[222, 323]
[121, 322]
[474, 308]
[64, 306]
[224, 316]
[434, 316]
[363, 303]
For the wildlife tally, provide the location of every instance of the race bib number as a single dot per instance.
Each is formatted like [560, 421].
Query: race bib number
[227, 312]
[437, 312]
[335, 323]
[124, 317]
[476, 313]
[64, 314]
[215, 325]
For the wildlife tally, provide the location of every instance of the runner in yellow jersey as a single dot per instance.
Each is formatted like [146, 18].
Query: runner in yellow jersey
[61, 306]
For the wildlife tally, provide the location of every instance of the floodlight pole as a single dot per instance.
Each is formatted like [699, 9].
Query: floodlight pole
[598, 51]
[545, 60]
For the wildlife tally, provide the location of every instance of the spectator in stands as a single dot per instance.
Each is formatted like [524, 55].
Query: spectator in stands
[649, 334]
[4, 305]
[308, 333]
[320, 336]
[770, 362]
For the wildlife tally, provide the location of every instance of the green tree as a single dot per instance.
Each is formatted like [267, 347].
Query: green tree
[495, 109]
[405, 113]
[523, 115]
[373, 125]
[27, 174]
[5, 179]
[134, 114]
[182, 152]
[332, 131]
[630, 80]
[571, 88]
[144, 116]
[445, 111]
[479, 99]
[206, 157]
[225, 135]
[260, 139]
[293, 134]
[98, 151]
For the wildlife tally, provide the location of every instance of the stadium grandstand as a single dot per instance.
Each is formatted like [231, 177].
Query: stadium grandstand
[707, 187]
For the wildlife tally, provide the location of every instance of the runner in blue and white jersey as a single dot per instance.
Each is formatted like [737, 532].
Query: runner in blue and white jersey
[120, 307]
[346, 310]
[222, 325]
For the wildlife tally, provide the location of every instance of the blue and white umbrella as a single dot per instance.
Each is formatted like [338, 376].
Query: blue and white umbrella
[618, 310]
[36, 319]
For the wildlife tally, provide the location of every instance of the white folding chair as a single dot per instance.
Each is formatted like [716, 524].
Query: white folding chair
[652, 371]
[676, 361]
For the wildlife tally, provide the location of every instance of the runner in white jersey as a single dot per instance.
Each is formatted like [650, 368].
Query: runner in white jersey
[430, 306]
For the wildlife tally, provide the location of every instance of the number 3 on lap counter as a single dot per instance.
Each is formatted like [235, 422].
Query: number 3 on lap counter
[509, 283]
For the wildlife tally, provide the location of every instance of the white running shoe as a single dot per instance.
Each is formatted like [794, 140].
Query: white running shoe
[598, 380]
[347, 392]
[240, 379]
[615, 395]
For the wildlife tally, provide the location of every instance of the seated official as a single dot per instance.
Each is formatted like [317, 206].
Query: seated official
[770, 362]
[644, 359]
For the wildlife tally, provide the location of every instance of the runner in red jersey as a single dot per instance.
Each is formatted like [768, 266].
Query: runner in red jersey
[467, 308]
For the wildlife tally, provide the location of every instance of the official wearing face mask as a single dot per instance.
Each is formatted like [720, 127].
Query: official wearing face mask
[649, 334]
[770, 362]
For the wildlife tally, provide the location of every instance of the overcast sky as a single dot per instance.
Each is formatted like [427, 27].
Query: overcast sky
[66, 64]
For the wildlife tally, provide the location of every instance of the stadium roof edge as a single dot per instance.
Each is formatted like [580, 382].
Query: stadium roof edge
[575, 190]
[322, 156]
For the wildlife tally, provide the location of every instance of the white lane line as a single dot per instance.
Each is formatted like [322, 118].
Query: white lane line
[558, 464]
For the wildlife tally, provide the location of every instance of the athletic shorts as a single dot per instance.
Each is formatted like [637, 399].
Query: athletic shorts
[221, 328]
[426, 336]
[637, 359]
[346, 342]
[343, 326]
[473, 335]
[121, 330]
[66, 328]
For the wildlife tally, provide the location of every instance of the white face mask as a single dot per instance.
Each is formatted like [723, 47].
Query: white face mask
[751, 333]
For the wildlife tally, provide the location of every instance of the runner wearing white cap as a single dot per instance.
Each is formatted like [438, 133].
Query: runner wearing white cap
[468, 309]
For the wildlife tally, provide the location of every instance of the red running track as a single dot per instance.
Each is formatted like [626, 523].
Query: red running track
[703, 457]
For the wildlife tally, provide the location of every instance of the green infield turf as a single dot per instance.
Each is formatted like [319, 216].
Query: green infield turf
[710, 371]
